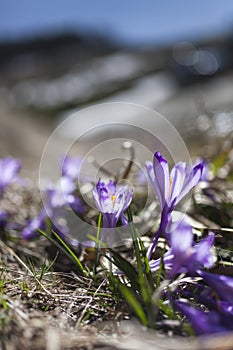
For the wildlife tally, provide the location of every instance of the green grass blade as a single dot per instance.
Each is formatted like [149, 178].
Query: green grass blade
[125, 267]
[65, 249]
[135, 242]
[161, 269]
[97, 243]
[120, 262]
[133, 302]
[70, 251]
[146, 263]
[145, 290]
[167, 309]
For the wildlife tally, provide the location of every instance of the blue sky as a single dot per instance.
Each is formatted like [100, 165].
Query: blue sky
[138, 21]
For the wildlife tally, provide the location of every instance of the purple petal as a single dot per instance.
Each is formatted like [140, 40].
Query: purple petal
[167, 261]
[76, 204]
[181, 239]
[3, 219]
[128, 198]
[101, 198]
[109, 220]
[67, 185]
[222, 285]
[9, 169]
[161, 172]
[203, 322]
[54, 199]
[111, 186]
[120, 200]
[30, 231]
[203, 254]
[192, 179]
[102, 190]
[188, 257]
[178, 176]
[124, 220]
[107, 205]
[226, 307]
[71, 167]
[97, 199]
[154, 182]
[206, 172]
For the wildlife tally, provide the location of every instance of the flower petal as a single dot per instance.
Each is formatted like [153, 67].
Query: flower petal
[202, 322]
[109, 220]
[66, 185]
[154, 182]
[9, 169]
[203, 254]
[71, 167]
[221, 284]
[102, 198]
[159, 177]
[120, 200]
[3, 219]
[192, 179]
[30, 230]
[178, 176]
[111, 186]
[181, 240]
[161, 171]
[167, 261]
[124, 220]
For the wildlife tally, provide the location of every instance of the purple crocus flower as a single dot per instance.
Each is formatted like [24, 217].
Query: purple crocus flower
[39, 222]
[206, 322]
[170, 187]
[184, 255]
[53, 209]
[9, 169]
[55, 202]
[112, 202]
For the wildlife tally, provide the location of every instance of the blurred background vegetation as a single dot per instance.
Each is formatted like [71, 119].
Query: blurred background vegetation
[57, 57]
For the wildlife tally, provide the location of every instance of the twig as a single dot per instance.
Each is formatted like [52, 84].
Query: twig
[89, 303]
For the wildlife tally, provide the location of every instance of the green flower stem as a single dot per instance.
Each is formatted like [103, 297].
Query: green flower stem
[97, 243]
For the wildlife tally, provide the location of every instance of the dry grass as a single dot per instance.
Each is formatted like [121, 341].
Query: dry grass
[37, 308]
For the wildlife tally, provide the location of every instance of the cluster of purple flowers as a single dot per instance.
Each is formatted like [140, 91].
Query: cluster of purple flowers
[56, 201]
[210, 310]
[56, 198]
[184, 255]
